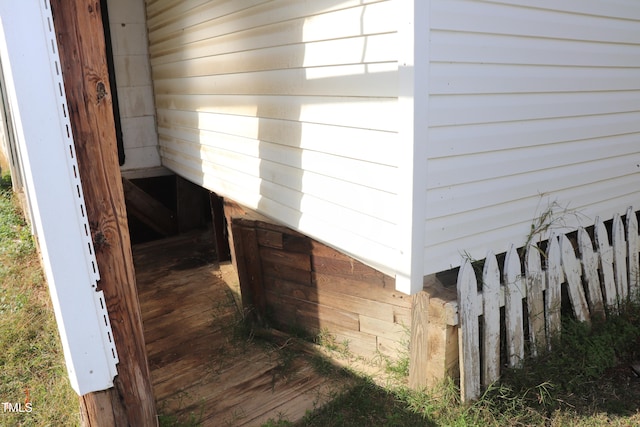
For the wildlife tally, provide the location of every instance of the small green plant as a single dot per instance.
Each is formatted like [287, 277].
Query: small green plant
[329, 341]
[552, 217]
[280, 421]
[31, 360]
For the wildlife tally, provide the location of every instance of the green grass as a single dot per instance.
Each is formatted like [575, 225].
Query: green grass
[30, 351]
[585, 381]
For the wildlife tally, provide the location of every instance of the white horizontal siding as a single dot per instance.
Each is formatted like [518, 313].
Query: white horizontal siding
[285, 106]
[532, 103]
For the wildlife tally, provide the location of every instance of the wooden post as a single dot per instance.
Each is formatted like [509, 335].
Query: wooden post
[434, 340]
[81, 46]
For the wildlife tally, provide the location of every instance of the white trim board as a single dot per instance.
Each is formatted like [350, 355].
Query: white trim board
[28, 49]
[413, 69]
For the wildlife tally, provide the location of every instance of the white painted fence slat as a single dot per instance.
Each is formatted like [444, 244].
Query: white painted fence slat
[633, 243]
[491, 319]
[535, 302]
[589, 260]
[513, 308]
[470, 340]
[606, 263]
[619, 258]
[553, 295]
[596, 280]
[573, 273]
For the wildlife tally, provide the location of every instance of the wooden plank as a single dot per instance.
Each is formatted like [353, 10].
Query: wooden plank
[296, 243]
[606, 264]
[374, 288]
[341, 301]
[418, 348]
[573, 273]
[633, 242]
[491, 320]
[223, 249]
[286, 273]
[553, 295]
[391, 348]
[535, 282]
[467, 286]
[589, 260]
[514, 293]
[151, 212]
[620, 258]
[249, 270]
[81, 44]
[402, 316]
[270, 239]
[192, 204]
[382, 328]
[299, 261]
[434, 354]
[264, 224]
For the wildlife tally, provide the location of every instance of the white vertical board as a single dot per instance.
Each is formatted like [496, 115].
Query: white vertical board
[413, 101]
[31, 67]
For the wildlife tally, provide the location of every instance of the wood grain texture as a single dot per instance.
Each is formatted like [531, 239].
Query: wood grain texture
[198, 363]
[535, 282]
[491, 320]
[81, 45]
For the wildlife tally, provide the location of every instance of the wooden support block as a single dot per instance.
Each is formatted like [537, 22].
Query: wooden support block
[296, 243]
[380, 328]
[285, 272]
[249, 270]
[280, 257]
[148, 210]
[391, 348]
[191, 201]
[81, 44]
[343, 302]
[270, 239]
[434, 343]
[223, 249]
[373, 288]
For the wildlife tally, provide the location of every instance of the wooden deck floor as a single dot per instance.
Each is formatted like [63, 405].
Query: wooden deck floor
[201, 365]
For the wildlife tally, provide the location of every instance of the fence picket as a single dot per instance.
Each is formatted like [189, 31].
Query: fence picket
[535, 302]
[573, 273]
[589, 260]
[633, 242]
[597, 280]
[620, 258]
[513, 308]
[606, 263]
[491, 318]
[470, 340]
[553, 294]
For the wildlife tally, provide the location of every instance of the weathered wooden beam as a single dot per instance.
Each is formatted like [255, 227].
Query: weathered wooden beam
[148, 210]
[433, 353]
[223, 249]
[248, 264]
[81, 45]
[191, 200]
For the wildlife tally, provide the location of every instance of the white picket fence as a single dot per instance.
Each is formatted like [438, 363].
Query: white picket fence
[597, 280]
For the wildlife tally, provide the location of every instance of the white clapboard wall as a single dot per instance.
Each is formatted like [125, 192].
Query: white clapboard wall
[598, 276]
[287, 107]
[531, 102]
